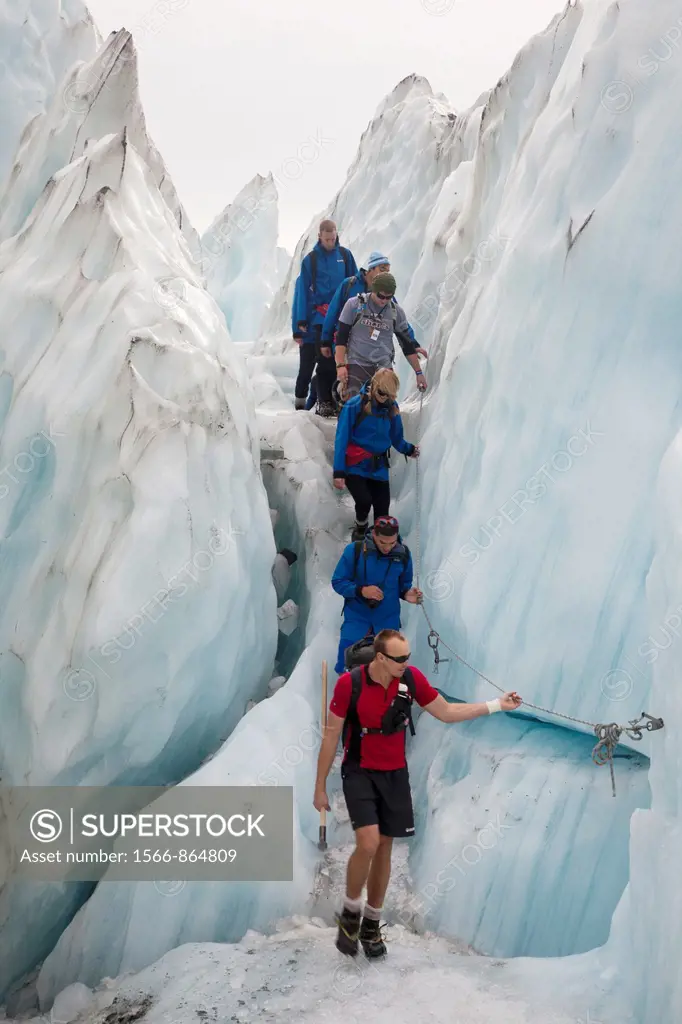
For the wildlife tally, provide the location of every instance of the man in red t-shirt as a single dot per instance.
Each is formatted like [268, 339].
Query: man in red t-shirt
[376, 782]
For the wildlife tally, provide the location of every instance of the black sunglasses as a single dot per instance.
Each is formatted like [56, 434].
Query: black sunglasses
[380, 295]
[401, 660]
[382, 394]
[386, 526]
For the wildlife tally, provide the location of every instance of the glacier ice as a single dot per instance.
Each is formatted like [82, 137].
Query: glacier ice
[70, 1003]
[137, 541]
[241, 260]
[515, 819]
[40, 41]
[274, 744]
[295, 974]
[539, 255]
[95, 98]
[275, 684]
[281, 572]
[287, 616]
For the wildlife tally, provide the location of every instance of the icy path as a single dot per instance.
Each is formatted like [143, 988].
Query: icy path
[275, 744]
[297, 974]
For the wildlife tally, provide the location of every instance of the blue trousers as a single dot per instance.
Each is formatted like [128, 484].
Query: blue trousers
[312, 397]
[351, 632]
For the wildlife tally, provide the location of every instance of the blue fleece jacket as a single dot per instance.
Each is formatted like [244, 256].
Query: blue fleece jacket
[392, 573]
[376, 434]
[348, 289]
[332, 268]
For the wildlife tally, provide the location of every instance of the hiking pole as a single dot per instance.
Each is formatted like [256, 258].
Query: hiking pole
[322, 842]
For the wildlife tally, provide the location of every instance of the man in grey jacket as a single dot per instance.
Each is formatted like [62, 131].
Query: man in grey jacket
[364, 337]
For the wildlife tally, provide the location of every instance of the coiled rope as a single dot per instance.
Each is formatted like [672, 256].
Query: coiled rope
[608, 735]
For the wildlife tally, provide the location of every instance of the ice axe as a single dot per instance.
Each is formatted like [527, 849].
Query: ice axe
[322, 841]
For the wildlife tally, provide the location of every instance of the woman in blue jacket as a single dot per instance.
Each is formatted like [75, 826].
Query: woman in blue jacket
[369, 426]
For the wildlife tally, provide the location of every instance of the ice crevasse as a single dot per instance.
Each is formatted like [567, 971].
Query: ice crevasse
[546, 349]
[543, 270]
[136, 531]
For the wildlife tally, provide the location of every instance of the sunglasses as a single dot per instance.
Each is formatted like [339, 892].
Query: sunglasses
[383, 297]
[401, 660]
[386, 526]
[382, 394]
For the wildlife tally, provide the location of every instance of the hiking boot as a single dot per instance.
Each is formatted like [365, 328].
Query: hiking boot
[372, 939]
[359, 532]
[349, 930]
[326, 409]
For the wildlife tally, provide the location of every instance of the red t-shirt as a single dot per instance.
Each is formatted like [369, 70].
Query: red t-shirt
[379, 753]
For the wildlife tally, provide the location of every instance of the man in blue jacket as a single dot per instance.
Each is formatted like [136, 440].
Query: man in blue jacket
[322, 271]
[373, 576]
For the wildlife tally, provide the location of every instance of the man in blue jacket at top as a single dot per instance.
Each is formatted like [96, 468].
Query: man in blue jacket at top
[373, 585]
[354, 285]
[322, 271]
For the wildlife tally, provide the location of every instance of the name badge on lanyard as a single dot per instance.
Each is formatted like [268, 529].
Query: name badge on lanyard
[375, 334]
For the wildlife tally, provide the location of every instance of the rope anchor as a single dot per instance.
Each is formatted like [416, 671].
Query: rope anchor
[609, 738]
[433, 640]
[634, 730]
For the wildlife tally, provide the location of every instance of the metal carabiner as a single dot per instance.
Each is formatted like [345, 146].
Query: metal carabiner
[433, 644]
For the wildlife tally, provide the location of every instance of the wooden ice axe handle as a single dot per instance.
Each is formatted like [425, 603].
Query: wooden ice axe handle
[322, 841]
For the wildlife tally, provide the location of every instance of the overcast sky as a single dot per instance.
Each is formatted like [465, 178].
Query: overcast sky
[232, 88]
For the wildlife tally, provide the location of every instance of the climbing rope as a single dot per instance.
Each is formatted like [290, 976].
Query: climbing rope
[608, 735]
[418, 517]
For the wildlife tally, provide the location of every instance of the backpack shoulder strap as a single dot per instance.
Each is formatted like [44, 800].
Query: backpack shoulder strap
[313, 268]
[346, 259]
[351, 728]
[404, 556]
[356, 556]
[412, 689]
[411, 685]
[356, 686]
[362, 304]
[362, 415]
[346, 291]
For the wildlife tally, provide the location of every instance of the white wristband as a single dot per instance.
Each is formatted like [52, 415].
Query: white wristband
[493, 706]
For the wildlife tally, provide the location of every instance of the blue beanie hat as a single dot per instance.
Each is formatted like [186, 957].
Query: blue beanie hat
[376, 259]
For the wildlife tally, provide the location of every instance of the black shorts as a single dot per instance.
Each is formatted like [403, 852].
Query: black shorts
[379, 798]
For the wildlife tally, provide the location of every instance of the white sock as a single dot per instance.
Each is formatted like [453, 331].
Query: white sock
[372, 913]
[355, 906]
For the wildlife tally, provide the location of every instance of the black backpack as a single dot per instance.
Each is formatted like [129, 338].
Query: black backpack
[346, 291]
[398, 715]
[313, 265]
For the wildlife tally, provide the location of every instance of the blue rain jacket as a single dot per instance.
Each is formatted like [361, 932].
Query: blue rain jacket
[376, 433]
[391, 573]
[332, 268]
